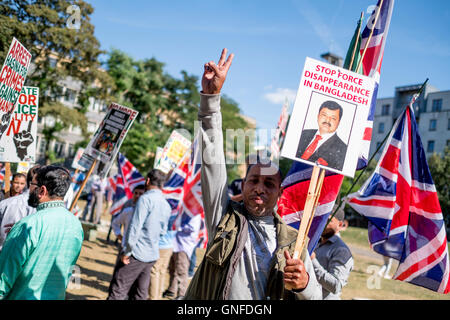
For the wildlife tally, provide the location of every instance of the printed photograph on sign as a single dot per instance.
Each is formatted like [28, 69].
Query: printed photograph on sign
[110, 133]
[328, 119]
[326, 132]
[107, 139]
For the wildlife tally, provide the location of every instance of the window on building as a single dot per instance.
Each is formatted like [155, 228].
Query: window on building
[42, 146]
[436, 105]
[448, 124]
[57, 147]
[70, 95]
[381, 127]
[385, 109]
[430, 146]
[52, 62]
[433, 123]
[71, 150]
[448, 143]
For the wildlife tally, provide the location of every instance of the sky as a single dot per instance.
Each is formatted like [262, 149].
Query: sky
[271, 39]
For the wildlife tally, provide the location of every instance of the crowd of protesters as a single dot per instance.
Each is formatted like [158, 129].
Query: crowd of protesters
[249, 254]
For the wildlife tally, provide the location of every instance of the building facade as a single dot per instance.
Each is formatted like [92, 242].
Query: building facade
[432, 111]
[64, 147]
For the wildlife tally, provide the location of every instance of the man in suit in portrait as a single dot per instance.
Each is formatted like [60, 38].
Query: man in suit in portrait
[323, 145]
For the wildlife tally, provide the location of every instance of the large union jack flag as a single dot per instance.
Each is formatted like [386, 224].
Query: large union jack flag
[401, 203]
[292, 201]
[183, 191]
[123, 183]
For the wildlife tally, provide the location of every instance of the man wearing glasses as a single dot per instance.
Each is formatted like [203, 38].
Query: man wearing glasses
[41, 250]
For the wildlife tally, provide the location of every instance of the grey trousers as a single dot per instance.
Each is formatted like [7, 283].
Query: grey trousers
[130, 281]
[179, 273]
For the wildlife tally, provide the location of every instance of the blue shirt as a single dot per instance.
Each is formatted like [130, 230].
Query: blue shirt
[149, 222]
[332, 267]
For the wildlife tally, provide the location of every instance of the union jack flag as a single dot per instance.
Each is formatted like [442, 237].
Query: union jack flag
[123, 183]
[292, 201]
[371, 64]
[2, 174]
[183, 191]
[401, 203]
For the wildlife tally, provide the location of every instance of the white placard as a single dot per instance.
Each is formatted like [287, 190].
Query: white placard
[333, 103]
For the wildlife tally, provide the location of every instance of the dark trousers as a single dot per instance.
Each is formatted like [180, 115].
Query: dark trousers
[130, 281]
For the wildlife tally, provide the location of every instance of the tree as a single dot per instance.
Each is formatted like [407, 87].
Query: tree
[164, 103]
[440, 171]
[59, 52]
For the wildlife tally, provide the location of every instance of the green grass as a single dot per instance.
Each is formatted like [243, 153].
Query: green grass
[364, 284]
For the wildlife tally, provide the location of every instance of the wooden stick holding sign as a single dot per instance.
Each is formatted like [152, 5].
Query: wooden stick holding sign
[77, 196]
[7, 177]
[315, 187]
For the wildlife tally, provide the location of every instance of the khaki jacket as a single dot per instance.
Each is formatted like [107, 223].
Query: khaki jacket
[213, 278]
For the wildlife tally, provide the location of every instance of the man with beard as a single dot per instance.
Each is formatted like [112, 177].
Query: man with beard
[249, 248]
[15, 208]
[41, 250]
[332, 260]
[323, 145]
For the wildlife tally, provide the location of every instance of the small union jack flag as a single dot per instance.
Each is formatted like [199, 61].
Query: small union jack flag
[183, 191]
[123, 183]
[401, 203]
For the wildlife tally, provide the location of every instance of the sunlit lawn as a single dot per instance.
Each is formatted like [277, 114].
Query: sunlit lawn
[363, 284]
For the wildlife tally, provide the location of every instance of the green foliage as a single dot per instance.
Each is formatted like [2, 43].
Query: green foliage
[41, 26]
[440, 171]
[164, 103]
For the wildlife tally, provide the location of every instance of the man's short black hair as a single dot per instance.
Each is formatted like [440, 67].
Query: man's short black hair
[18, 174]
[332, 105]
[55, 178]
[31, 174]
[157, 178]
[139, 187]
[265, 162]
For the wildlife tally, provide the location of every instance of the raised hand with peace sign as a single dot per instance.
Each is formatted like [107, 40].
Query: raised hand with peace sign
[215, 74]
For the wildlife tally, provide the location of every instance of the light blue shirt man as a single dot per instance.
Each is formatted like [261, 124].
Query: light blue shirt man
[149, 222]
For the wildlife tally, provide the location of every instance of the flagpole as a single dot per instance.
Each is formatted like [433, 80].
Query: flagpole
[354, 48]
[370, 36]
[83, 185]
[371, 158]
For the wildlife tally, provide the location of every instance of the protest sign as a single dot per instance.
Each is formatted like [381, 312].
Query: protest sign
[76, 160]
[176, 146]
[109, 136]
[23, 167]
[327, 123]
[19, 141]
[12, 79]
[158, 155]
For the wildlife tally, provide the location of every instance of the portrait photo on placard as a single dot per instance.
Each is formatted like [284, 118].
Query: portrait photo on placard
[326, 131]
